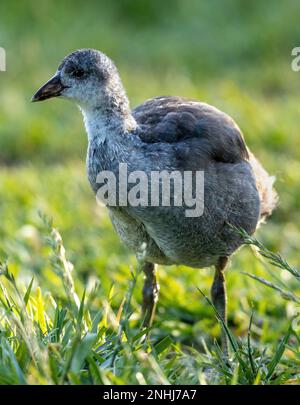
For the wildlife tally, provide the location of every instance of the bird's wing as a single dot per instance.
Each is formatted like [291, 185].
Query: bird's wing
[181, 121]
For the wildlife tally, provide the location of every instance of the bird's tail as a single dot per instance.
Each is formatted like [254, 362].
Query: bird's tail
[264, 184]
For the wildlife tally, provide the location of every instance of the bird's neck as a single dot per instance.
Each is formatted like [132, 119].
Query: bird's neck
[110, 128]
[111, 117]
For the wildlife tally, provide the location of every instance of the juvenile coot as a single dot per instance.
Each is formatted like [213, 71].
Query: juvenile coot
[176, 135]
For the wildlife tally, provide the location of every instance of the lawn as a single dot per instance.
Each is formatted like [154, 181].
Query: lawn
[70, 293]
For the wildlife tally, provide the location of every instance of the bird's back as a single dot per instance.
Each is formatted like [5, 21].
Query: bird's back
[182, 121]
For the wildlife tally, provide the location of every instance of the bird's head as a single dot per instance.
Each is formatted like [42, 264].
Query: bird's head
[87, 76]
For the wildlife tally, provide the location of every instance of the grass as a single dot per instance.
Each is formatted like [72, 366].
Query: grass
[81, 325]
[79, 340]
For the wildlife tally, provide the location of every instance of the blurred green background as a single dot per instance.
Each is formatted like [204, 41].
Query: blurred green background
[233, 54]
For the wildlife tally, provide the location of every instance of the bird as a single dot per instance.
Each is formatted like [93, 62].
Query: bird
[171, 134]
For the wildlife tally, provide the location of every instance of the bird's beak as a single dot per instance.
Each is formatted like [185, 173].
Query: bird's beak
[53, 88]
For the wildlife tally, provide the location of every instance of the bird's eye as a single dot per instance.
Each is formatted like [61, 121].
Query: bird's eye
[78, 73]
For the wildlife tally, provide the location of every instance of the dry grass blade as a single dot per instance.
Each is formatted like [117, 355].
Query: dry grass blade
[287, 295]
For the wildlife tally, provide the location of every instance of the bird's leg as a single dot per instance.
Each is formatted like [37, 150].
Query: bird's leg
[219, 298]
[150, 293]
